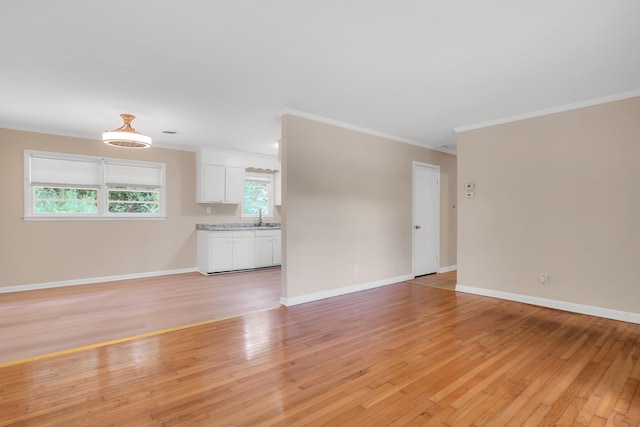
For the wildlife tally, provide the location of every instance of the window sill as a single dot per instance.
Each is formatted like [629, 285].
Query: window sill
[94, 218]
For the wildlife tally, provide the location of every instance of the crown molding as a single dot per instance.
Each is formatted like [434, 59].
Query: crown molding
[552, 110]
[231, 151]
[446, 149]
[155, 144]
[192, 148]
[321, 119]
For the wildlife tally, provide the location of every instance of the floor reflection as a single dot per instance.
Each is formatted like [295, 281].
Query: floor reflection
[257, 334]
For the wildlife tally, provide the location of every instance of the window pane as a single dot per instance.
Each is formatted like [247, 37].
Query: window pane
[137, 196]
[257, 194]
[124, 207]
[256, 188]
[48, 206]
[133, 200]
[65, 200]
[253, 204]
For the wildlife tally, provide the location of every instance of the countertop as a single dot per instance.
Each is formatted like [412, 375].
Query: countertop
[238, 226]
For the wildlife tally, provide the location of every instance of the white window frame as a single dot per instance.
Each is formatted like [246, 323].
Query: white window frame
[256, 176]
[101, 185]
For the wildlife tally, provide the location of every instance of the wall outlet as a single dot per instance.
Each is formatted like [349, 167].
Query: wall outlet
[543, 279]
[469, 194]
[356, 268]
[469, 186]
[208, 209]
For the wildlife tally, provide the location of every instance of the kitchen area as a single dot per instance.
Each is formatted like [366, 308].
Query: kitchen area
[253, 240]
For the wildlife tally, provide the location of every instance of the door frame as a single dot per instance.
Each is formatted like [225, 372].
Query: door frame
[413, 213]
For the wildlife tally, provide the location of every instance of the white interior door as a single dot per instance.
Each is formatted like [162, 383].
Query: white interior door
[426, 218]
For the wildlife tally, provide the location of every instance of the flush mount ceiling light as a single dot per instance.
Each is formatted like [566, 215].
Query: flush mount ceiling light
[126, 136]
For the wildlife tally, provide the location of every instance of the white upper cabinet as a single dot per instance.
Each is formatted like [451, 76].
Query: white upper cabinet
[212, 184]
[220, 174]
[234, 185]
[220, 184]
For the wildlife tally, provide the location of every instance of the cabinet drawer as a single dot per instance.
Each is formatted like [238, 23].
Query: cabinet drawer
[267, 233]
[220, 234]
[243, 233]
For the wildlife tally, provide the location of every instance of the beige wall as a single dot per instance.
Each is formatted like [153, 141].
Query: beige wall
[33, 252]
[348, 201]
[556, 194]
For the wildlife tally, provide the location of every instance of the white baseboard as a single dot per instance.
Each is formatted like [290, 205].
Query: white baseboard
[560, 305]
[342, 291]
[447, 269]
[74, 282]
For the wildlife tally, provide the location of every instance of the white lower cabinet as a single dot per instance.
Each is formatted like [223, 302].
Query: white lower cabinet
[268, 251]
[220, 251]
[264, 251]
[220, 254]
[243, 243]
[277, 249]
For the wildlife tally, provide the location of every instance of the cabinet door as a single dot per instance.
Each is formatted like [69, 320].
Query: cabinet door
[234, 185]
[220, 254]
[264, 251]
[277, 250]
[243, 253]
[213, 183]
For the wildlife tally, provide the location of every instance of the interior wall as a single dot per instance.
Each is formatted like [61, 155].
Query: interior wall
[348, 206]
[34, 252]
[554, 195]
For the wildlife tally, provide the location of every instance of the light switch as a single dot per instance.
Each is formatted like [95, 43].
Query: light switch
[469, 186]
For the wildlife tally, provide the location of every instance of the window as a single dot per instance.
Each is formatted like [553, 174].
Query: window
[64, 200]
[133, 188]
[62, 186]
[133, 200]
[258, 195]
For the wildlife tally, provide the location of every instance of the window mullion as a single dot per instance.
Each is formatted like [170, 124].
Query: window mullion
[102, 192]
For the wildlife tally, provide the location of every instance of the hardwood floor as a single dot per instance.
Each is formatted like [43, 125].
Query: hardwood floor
[443, 280]
[399, 355]
[40, 322]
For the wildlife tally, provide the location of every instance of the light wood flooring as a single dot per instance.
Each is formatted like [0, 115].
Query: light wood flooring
[40, 322]
[399, 355]
[442, 281]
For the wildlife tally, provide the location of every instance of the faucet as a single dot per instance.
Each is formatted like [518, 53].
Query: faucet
[259, 223]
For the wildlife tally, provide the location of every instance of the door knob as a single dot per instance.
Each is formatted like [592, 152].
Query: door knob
[417, 227]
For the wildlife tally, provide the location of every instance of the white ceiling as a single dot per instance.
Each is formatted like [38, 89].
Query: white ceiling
[218, 72]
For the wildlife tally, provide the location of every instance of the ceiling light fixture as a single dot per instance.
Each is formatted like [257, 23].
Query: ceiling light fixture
[126, 136]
